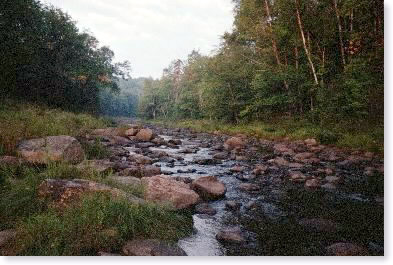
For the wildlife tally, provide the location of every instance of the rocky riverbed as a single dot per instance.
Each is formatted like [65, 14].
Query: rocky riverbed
[251, 196]
[282, 198]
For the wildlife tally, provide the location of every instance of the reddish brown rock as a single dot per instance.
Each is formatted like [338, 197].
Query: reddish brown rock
[303, 156]
[234, 143]
[145, 135]
[233, 236]
[131, 132]
[312, 184]
[140, 159]
[237, 169]
[209, 187]
[163, 189]
[63, 193]
[282, 148]
[311, 142]
[249, 187]
[51, 148]
[297, 176]
[346, 249]
[259, 170]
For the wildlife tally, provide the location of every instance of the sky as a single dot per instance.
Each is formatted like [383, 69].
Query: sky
[152, 33]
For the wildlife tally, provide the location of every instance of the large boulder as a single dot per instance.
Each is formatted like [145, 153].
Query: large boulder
[131, 132]
[234, 143]
[209, 187]
[151, 247]
[52, 148]
[110, 131]
[63, 193]
[163, 189]
[145, 135]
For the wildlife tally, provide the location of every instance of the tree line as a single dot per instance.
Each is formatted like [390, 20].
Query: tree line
[318, 59]
[46, 59]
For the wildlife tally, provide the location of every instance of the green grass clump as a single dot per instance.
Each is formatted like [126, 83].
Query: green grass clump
[19, 185]
[98, 223]
[26, 121]
[18, 193]
[95, 150]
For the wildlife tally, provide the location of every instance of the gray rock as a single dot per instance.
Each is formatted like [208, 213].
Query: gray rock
[233, 205]
[205, 208]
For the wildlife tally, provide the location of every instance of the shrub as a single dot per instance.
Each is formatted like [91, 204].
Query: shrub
[327, 137]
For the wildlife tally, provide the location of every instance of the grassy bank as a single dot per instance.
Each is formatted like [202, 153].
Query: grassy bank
[345, 135]
[98, 222]
[25, 121]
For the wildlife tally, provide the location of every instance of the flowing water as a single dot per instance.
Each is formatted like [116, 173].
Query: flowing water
[270, 217]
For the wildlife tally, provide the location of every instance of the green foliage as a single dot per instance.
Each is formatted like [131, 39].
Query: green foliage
[18, 192]
[46, 59]
[25, 121]
[327, 137]
[95, 150]
[263, 69]
[99, 223]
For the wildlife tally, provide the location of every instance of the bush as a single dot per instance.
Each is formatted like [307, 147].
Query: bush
[99, 223]
[327, 137]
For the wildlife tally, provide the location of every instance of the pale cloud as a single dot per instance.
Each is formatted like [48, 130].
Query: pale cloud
[152, 33]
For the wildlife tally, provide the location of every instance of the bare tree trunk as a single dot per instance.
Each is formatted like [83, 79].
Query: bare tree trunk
[340, 32]
[274, 43]
[308, 53]
[296, 58]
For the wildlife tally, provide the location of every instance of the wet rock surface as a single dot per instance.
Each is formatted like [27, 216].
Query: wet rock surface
[270, 197]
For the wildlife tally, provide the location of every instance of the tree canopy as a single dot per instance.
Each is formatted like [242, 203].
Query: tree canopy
[319, 59]
[46, 59]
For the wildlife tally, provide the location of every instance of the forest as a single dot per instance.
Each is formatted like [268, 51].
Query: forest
[318, 60]
[47, 60]
[270, 145]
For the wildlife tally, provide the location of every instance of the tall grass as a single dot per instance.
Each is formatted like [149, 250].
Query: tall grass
[25, 121]
[99, 223]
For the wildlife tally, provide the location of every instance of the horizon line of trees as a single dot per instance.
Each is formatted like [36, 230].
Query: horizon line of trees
[319, 59]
